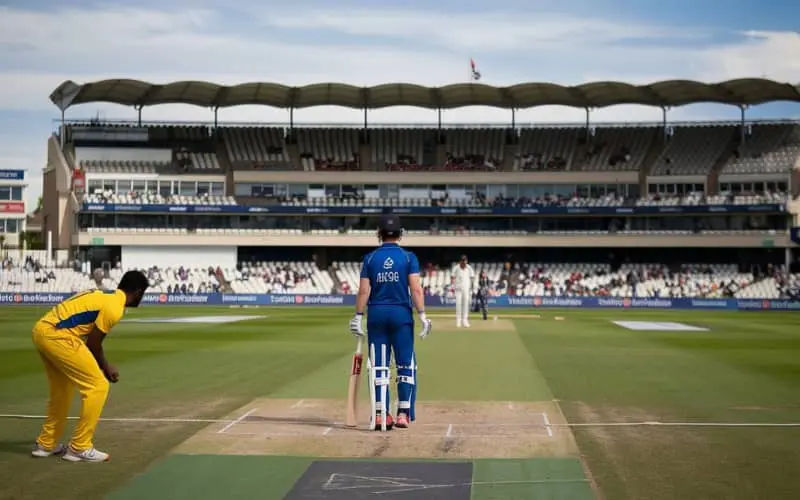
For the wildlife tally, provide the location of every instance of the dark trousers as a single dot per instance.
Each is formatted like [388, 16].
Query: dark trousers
[481, 304]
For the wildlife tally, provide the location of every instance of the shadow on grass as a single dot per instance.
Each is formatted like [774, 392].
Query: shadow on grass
[16, 447]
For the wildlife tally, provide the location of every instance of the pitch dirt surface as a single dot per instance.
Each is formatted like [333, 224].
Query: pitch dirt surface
[452, 430]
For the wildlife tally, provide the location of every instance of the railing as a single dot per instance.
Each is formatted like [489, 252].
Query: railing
[429, 125]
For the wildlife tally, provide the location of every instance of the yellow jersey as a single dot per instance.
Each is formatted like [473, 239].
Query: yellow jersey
[83, 311]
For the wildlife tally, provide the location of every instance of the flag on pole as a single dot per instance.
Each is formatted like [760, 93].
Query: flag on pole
[475, 75]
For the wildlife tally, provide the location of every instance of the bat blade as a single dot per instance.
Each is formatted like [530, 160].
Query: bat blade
[353, 386]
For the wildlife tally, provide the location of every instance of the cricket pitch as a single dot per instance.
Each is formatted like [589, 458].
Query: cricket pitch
[444, 429]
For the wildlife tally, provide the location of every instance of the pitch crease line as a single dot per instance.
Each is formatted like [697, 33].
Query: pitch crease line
[547, 424]
[238, 420]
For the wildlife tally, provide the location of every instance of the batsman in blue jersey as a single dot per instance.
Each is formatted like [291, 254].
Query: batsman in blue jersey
[389, 286]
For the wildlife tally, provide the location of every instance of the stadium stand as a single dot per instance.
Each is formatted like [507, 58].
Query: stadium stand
[694, 150]
[519, 279]
[769, 149]
[616, 172]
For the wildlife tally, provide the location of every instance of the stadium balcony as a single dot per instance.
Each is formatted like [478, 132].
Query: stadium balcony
[728, 198]
[152, 198]
[470, 164]
[659, 200]
[474, 202]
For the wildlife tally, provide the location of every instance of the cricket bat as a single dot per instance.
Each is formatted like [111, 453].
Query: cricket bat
[352, 389]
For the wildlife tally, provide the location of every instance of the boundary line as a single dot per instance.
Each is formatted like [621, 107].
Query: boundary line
[179, 420]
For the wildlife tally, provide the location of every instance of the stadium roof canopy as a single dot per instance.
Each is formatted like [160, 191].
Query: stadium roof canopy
[670, 93]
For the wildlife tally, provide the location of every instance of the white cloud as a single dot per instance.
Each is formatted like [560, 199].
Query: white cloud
[163, 45]
[760, 53]
[483, 32]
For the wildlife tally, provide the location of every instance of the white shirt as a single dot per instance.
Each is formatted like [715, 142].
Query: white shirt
[464, 277]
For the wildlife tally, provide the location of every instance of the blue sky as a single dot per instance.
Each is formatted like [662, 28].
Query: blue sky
[43, 42]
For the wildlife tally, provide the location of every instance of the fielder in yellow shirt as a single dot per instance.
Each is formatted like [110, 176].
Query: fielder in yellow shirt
[69, 339]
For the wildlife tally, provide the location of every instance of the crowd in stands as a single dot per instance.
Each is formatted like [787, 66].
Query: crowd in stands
[185, 281]
[475, 200]
[598, 280]
[547, 200]
[26, 274]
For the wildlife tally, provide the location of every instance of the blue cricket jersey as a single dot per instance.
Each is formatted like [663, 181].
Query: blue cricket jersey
[387, 268]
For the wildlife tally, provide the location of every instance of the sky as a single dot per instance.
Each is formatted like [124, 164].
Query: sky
[44, 42]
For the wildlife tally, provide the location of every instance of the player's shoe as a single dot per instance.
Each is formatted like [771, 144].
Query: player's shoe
[466, 324]
[90, 455]
[458, 324]
[41, 452]
[402, 421]
[389, 422]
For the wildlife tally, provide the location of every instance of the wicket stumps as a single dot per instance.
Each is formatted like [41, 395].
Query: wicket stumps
[379, 377]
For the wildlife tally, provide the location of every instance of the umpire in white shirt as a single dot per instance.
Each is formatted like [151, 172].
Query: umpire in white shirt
[463, 291]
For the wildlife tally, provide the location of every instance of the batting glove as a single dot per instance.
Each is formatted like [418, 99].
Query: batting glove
[426, 326]
[356, 327]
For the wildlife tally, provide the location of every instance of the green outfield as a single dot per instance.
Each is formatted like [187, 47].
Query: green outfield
[523, 406]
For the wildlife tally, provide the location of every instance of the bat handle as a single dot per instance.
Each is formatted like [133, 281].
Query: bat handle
[359, 345]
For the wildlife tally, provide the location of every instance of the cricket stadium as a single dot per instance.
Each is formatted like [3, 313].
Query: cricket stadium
[635, 332]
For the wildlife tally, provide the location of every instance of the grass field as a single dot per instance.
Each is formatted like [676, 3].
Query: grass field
[526, 407]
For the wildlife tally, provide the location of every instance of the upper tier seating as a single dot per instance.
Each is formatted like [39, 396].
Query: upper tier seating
[690, 149]
[770, 149]
[693, 150]
[261, 145]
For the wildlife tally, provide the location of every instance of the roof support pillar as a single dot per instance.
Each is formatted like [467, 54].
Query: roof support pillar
[664, 110]
[291, 118]
[63, 132]
[439, 119]
[216, 116]
[588, 122]
[365, 118]
[742, 125]
[139, 114]
[513, 118]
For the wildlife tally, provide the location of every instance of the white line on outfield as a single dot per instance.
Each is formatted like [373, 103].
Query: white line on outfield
[237, 421]
[167, 420]
[547, 424]
[143, 420]
[680, 424]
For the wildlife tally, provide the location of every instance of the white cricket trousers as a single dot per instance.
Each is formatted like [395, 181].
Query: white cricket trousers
[463, 300]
